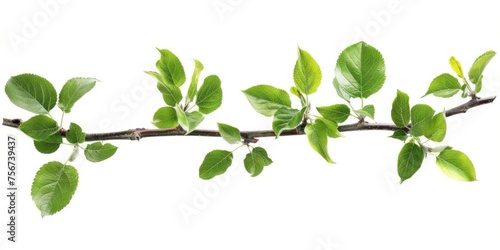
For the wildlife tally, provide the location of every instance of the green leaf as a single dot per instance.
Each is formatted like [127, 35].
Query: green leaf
[465, 93]
[399, 135]
[410, 159]
[53, 187]
[360, 70]
[317, 133]
[444, 85]
[49, 145]
[31, 92]
[456, 165]
[165, 117]
[170, 68]
[400, 112]
[368, 110]
[476, 71]
[74, 153]
[97, 151]
[256, 160]
[479, 85]
[39, 127]
[438, 125]
[215, 163]
[306, 74]
[332, 127]
[295, 91]
[210, 95]
[340, 91]
[337, 113]
[172, 94]
[456, 66]
[421, 117]
[194, 119]
[156, 75]
[229, 133]
[73, 90]
[266, 99]
[75, 134]
[182, 118]
[287, 118]
[439, 149]
[193, 87]
[189, 120]
[46, 147]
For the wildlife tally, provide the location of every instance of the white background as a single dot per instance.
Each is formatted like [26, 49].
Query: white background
[299, 202]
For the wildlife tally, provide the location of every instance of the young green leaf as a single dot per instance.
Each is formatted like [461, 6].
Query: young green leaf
[456, 165]
[39, 127]
[465, 93]
[368, 110]
[193, 87]
[266, 99]
[306, 74]
[73, 90]
[182, 118]
[410, 159]
[156, 75]
[229, 133]
[215, 163]
[287, 118]
[456, 66]
[188, 120]
[194, 119]
[53, 187]
[256, 160]
[479, 85]
[439, 149]
[296, 92]
[172, 94]
[400, 112]
[437, 132]
[360, 70]
[97, 151]
[31, 92]
[476, 71]
[170, 68]
[210, 95]
[340, 91]
[332, 127]
[317, 133]
[421, 117]
[165, 117]
[74, 153]
[337, 113]
[75, 134]
[400, 135]
[444, 85]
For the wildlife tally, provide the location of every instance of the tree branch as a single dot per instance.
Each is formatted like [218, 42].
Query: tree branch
[251, 136]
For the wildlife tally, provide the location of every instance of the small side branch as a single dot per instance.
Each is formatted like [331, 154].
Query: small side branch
[250, 136]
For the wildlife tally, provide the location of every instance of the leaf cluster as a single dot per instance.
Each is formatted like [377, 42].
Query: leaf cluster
[198, 102]
[55, 182]
[421, 124]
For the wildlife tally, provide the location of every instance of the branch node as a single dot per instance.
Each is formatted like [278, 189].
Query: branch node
[247, 141]
[17, 121]
[63, 131]
[135, 136]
